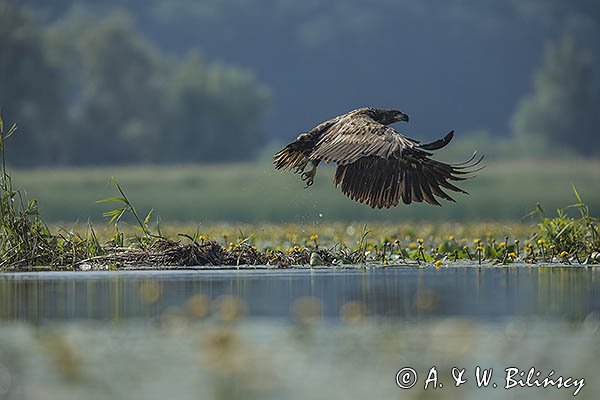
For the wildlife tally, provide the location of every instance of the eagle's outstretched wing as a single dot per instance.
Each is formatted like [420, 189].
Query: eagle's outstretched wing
[414, 176]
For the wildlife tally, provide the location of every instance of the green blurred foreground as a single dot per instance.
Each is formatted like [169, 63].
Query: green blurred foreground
[255, 192]
[266, 359]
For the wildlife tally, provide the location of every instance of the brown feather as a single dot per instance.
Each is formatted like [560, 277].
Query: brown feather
[376, 165]
[381, 183]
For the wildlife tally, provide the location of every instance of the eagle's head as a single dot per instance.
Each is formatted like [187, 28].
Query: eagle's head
[399, 116]
[387, 117]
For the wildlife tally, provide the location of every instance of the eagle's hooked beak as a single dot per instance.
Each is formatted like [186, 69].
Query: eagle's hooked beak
[403, 117]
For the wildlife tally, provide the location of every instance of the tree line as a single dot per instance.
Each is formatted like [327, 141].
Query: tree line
[96, 91]
[91, 85]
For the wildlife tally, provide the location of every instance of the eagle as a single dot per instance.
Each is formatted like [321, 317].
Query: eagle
[376, 165]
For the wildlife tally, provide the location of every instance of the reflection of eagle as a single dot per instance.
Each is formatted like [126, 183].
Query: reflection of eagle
[376, 165]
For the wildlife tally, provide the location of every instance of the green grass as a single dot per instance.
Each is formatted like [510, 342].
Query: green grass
[255, 192]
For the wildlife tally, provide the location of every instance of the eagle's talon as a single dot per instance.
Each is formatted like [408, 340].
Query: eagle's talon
[309, 176]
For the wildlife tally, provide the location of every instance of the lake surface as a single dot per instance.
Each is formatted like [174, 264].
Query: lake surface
[297, 334]
[397, 292]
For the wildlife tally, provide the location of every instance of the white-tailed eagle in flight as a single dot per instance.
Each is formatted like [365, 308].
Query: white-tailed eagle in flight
[376, 164]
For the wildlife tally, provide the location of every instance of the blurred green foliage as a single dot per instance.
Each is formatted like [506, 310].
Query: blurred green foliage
[119, 81]
[563, 110]
[30, 88]
[95, 91]
[254, 192]
[224, 103]
[87, 87]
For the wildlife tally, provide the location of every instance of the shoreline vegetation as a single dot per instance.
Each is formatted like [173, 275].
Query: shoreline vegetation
[28, 243]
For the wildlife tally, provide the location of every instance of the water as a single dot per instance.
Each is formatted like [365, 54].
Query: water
[296, 334]
[407, 293]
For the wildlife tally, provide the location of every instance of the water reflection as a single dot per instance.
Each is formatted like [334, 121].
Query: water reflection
[480, 293]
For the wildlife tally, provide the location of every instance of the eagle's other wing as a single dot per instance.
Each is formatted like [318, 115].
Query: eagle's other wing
[295, 155]
[356, 136]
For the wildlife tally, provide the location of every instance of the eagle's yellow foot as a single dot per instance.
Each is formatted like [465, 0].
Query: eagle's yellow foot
[309, 176]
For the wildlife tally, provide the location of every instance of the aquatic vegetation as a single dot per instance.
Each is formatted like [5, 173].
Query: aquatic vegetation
[273, 248]
[25, 239]
[26, 242]
[567, 237]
